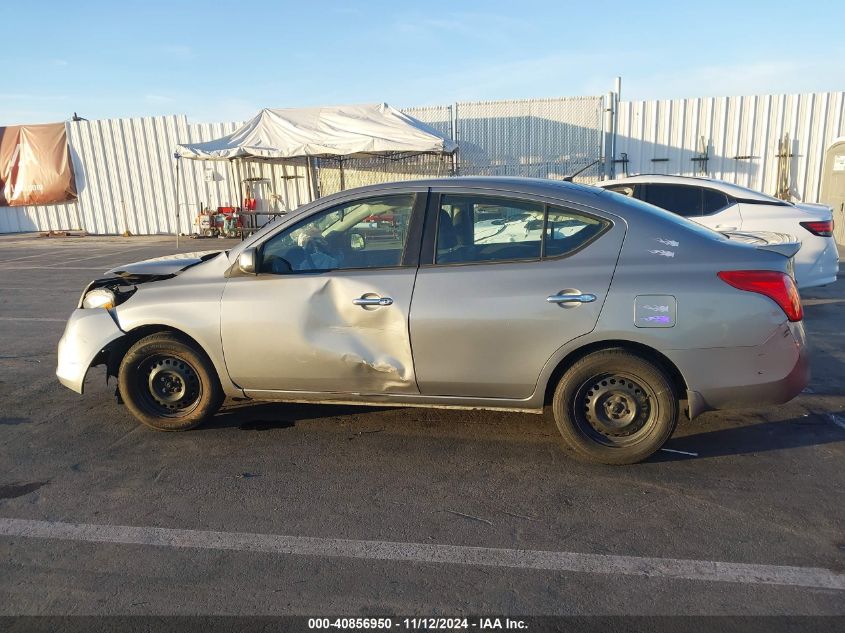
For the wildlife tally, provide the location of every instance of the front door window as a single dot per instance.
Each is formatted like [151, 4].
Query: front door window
[369, 233]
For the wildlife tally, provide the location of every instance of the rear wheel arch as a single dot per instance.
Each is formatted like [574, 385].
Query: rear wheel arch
[640, 349]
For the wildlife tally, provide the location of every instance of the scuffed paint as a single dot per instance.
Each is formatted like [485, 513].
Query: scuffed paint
[655, 311]
[657, 318]
[371, 342]
[384, 366]
[662, 253]
[666, 242]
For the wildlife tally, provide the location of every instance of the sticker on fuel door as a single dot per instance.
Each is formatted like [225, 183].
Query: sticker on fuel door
[655, 311]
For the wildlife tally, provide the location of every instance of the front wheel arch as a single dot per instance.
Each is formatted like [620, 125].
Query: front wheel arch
[115, 351]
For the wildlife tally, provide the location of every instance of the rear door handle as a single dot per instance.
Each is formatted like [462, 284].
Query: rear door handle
[571, 298]
[373, 301]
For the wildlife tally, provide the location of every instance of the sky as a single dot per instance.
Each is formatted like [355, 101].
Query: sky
[223, 61]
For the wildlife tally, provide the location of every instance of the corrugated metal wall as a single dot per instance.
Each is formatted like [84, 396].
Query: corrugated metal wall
[125, 176]
[740, 134]
[127, 180]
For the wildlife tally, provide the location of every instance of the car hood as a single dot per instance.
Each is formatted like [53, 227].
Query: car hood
[158, 267]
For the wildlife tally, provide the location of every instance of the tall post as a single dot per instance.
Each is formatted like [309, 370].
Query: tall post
[178, 158]
[617, 97]
[611, 116]
[608, 136]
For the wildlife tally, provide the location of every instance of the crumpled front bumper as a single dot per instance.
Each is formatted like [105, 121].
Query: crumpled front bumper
[86, 334]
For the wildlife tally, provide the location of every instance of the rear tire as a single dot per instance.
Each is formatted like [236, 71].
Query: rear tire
[614, 407]
[168, 383]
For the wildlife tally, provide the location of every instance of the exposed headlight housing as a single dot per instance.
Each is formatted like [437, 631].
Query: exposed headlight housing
[100, 298]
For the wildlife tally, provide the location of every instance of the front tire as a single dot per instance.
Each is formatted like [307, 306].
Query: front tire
[168, 383]
[615, 407]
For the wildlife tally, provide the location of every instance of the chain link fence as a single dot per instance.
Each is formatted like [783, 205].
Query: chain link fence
[336, 175]
[541, 138]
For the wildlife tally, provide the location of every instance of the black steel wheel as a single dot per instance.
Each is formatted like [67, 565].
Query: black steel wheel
[168, 386]
[168, 383]
[615, 407]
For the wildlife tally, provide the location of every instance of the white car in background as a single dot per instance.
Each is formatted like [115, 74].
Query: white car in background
[729, 208]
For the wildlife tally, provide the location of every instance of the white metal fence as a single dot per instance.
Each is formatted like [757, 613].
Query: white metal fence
[127, 176]
[745, 140]
[127, 180]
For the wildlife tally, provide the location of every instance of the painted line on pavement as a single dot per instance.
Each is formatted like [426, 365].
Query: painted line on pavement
[112, 254]
[41, 288]
[710, 571]
[4, 318]
[58, 267]
[34, 256]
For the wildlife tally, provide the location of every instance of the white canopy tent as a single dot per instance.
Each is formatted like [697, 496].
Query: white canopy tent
[336, 133]
[352, 131]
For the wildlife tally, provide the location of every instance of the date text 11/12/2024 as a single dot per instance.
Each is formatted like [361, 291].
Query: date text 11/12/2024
[447, 624]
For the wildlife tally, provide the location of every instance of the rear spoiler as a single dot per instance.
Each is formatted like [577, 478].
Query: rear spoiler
[780, 243]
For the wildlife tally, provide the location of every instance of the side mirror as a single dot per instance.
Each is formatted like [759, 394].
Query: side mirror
[247, 261]
[357, 242]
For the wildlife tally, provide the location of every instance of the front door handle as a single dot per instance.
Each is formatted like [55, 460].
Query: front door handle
[571, 298]
[373, 301]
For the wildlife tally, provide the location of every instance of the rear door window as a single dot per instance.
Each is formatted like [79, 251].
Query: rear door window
[474, 229]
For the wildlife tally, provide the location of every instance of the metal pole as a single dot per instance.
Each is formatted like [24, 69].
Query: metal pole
[453, 119]
[608, 136]
[177, 157]
[617, 97]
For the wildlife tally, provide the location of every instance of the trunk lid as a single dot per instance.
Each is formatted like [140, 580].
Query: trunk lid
[781, 243]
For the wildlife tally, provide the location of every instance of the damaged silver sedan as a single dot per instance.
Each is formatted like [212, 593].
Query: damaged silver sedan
[490, 293]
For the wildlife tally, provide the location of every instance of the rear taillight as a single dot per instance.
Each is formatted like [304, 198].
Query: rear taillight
[777, 286]
[822, 228]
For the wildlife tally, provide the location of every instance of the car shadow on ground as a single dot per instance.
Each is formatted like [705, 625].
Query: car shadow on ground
[276, 415]
[750, 439]
[747, 439]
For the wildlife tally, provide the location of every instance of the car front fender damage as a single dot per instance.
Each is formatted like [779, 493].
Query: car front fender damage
[85, 341]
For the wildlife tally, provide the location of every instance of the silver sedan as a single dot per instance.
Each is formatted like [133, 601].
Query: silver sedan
[488, 293]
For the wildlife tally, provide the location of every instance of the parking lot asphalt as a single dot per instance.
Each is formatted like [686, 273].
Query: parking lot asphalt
[374, 490]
